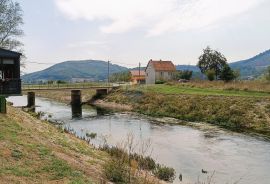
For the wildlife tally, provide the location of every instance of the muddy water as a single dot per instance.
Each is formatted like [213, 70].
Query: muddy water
[232, 156]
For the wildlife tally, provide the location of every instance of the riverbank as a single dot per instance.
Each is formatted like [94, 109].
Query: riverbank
[241, 107]
[237, 113]
[34, 151]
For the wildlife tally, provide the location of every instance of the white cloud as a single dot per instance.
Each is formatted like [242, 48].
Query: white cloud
[157, 16]
[86, 44]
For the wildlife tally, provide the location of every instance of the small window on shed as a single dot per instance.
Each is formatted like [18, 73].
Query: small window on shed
[8, 62]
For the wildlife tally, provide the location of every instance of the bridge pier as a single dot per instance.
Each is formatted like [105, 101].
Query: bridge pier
[76, 103]
[31, 101]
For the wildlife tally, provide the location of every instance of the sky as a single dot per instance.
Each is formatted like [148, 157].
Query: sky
[129, 32]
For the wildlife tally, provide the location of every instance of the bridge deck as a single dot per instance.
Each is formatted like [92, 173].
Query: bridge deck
[65, 88]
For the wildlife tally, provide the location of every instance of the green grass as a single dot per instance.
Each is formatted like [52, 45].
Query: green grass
[27, 156]
[59, 169]
[177, 89]
[243, 111]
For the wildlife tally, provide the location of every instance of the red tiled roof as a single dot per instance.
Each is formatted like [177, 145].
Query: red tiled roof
[137, 73]
[163, 65]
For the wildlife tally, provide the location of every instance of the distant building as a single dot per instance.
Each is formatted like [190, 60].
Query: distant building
[159, 71]
[81, 80]
[137, 76]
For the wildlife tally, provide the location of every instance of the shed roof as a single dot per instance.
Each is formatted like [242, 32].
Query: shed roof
[162, 65]
[137, 73]
[8, 53]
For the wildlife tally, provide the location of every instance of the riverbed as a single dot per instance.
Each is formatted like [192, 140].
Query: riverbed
[230, 156]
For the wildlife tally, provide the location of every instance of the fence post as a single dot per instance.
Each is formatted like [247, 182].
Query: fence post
[3, 106]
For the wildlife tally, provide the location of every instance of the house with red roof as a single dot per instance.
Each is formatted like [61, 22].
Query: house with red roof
[159, 71]
[137, 76]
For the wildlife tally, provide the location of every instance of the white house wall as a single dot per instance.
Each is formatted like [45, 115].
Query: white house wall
[163, 76]
[150, 75]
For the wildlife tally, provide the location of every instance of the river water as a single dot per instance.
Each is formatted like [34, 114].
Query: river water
[231, 156]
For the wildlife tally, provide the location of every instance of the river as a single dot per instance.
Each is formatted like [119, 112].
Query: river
[232, 156]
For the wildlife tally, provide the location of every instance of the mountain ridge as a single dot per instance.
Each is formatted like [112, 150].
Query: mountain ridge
[96, 70]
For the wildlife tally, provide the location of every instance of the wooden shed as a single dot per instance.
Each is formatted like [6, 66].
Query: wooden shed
[10, 82]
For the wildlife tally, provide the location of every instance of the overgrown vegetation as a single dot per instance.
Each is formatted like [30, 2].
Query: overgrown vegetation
[121, 77]
[127, 166]
[235, 110]
[183, 74]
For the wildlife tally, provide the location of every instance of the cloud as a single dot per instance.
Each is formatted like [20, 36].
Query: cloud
[86, 44]
[156, 16]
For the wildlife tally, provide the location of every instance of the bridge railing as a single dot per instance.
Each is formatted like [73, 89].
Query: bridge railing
[65, 85]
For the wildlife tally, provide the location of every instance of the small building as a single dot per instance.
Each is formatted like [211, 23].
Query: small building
[159, 71]
[137, 76]
[10, 82]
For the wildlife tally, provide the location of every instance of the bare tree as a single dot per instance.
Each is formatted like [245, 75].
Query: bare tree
[11, 20]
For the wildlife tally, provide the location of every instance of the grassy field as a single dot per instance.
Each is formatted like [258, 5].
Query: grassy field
[37, 152]
[197, 90]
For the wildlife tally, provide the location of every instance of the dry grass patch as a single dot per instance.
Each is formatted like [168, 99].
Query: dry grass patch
[31, 153]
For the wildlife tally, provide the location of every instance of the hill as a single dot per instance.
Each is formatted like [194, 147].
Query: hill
[94, 70]
[253, 67]
[248, 68]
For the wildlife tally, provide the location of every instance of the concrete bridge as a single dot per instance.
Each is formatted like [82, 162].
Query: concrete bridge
[64, 87]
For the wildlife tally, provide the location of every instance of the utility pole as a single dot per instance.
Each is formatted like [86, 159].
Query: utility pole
[108, 73]
[139, 73]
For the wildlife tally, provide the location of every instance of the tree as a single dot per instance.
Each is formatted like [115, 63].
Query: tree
[183, 74]
[210, 74]
[227, 74]
[211, 60]
[121, 77]
[10, 25]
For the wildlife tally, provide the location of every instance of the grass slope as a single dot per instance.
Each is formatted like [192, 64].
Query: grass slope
[36, 152]
[238, 110]
[185, 89]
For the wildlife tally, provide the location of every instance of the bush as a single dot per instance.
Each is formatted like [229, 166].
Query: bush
[160, 82]
[145, 163]
[183, 74]
[165, 173]
[116, 171]
[91, 135]
[210, 75]
[227, 74]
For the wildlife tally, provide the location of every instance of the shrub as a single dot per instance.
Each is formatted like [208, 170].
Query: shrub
[165, 173]
[91, 135]
[160, 82]
[116, 171]
[210, 75]
[145, 163]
